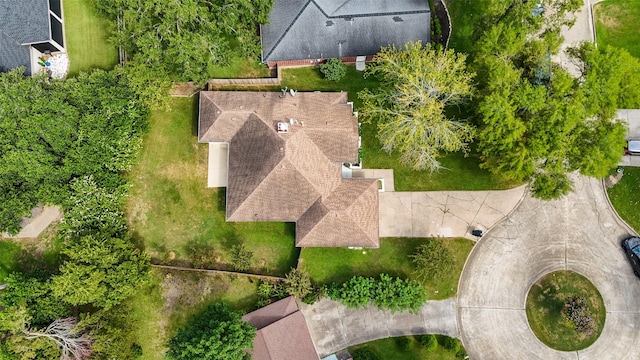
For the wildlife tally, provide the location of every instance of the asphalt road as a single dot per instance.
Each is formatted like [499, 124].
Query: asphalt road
[580, 233]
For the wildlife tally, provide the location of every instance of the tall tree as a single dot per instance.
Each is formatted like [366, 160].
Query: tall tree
[417, 83]
[100, 271]
[215, 334]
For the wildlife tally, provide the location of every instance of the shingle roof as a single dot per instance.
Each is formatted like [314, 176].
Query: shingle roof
[21, 22]
[314, 29]
[282, 333]
[293, 176]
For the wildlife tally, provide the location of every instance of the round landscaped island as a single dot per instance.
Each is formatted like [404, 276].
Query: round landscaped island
[565, 311]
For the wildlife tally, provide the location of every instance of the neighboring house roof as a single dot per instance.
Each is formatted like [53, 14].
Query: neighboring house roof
[22, 22]
[318, 29]
[293, 176]
[282, 332]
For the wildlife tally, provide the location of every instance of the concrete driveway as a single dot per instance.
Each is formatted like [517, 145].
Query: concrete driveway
[334, 327]
[444, 213]
[582, 30]
[580, 233]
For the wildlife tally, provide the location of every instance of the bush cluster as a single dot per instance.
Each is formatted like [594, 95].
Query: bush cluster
[333, 69]
[385, 292]
[429, 342]
[579, 315]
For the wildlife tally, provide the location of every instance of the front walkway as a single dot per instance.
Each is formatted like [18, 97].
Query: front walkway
[334, 327]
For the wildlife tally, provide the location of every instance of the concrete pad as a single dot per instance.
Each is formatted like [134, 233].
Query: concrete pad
[218, 164]
[444, 213]
[386, 174]
[39, 223]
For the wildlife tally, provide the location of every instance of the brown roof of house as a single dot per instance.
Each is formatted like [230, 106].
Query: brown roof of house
[282, 333]
[273, 312]
[282, 176]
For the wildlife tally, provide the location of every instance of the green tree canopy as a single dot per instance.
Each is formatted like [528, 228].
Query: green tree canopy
[52, 132]
[100, 271]
[215, 334]
[416, 84]
[186, 38]
[537, 122]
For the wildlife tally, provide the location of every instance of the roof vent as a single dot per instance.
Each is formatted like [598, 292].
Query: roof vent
[348, 19]
[397, 19]
[329, 23]
[283, 127]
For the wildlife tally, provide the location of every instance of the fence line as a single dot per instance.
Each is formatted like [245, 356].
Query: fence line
[249, 82]
[263, 277]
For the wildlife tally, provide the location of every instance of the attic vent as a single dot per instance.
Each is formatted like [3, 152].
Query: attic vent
[348, 19]
[329, 23]
[397, 19]
[283, 127]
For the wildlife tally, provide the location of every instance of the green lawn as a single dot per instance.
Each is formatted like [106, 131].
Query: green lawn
[86, 35]
[466, 16]
[326, 265]
[170, 209]
[625, 196]
[617, 24]
[545, 303]
[9, 251]
[389, 349]
[173, 297]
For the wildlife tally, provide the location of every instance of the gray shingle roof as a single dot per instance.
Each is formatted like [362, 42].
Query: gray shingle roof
[313, 29]
[21, 22]
[293, 176]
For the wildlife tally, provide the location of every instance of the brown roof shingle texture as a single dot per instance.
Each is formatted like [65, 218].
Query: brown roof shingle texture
[282, 332]
[291, 176]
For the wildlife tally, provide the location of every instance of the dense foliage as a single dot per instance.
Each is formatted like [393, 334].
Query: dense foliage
[186, 38]
[416, 84]
[537, 121]
[52, 132]
[215, 334]
[333, 69]
[577, 312]
[395, 294]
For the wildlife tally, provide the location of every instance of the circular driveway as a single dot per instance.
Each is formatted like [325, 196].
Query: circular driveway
[580, 233]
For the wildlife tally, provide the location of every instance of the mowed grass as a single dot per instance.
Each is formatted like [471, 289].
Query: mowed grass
[545, 303]
[9, 251]
[86, 34]
[389, 349]
[466, 19]
[172, 212]
[326, 265]
[172, 298]
[625, 196]
[617, 24]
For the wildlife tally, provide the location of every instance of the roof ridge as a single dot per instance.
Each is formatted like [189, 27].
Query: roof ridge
[318, 150]
[275, 45]
[361, 194]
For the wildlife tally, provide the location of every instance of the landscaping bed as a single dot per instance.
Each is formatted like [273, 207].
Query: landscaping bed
[553, 322]
[397, 349]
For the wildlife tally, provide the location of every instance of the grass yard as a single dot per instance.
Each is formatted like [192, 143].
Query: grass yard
[173, 214]
[625, 196]
[86, 34]
[9, 251]
[390, 349]
[466, 16]
[545, 303]
[617, 24]
[173, 297]
[326, 265]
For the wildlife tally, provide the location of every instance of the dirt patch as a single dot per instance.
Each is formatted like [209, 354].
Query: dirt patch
[606, 18]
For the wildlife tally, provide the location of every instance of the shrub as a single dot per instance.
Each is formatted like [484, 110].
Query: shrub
[429, 342]
[462, 354]
[579, 315]
[405, 343]
[364, 354]
[450, 344]
[333, 69]
[298, 283]
[432, 259]
[240, 257]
